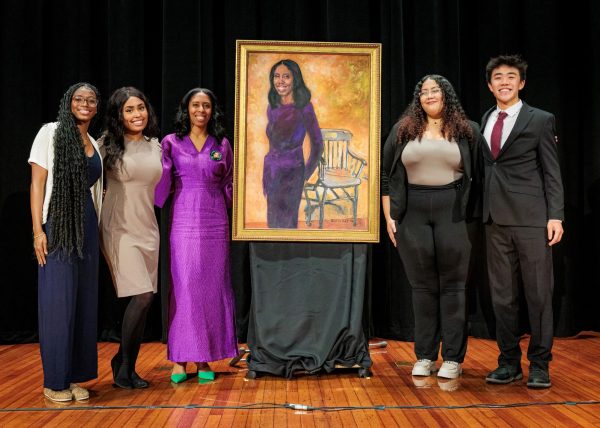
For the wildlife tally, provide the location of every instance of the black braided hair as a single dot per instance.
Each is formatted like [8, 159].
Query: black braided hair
[455, 124]
[114, 129]
[67, 203]
[182, 117]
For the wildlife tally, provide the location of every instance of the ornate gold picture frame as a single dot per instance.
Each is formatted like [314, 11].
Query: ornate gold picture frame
[307, 141]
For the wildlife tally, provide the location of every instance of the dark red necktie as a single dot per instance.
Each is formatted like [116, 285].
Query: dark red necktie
[497, 134]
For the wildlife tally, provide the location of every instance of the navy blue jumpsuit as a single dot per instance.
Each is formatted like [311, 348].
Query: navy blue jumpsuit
[68, 304]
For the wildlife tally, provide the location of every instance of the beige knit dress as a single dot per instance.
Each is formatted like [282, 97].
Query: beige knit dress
[128, 228]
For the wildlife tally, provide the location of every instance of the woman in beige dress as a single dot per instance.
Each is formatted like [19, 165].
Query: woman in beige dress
[128, 227]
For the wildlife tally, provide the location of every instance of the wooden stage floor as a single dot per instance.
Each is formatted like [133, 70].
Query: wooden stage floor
[573, 400]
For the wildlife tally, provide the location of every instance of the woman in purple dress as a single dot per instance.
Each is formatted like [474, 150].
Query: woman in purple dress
[291, 115]
[197, 168]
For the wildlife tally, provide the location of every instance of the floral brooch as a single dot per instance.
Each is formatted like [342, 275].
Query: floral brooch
[216, 156]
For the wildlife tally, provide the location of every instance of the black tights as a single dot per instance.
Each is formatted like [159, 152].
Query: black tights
[132, 331]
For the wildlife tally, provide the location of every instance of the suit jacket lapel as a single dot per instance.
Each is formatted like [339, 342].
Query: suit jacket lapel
[486, 149]
[463, 148]
[397, 153]
[485, 118]
[523, 119]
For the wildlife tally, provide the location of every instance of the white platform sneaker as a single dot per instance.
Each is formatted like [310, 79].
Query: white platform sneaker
[450, 370]
[423, 368]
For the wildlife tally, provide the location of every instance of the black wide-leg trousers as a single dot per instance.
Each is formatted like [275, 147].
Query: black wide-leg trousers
[435, 249]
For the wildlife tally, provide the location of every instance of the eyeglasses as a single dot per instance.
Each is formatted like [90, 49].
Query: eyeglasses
[433, 92]
[92, 102]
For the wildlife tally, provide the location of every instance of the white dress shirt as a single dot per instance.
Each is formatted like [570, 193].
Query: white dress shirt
[509, 122]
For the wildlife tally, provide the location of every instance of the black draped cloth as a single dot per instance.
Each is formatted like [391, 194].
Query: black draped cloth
[307, 307]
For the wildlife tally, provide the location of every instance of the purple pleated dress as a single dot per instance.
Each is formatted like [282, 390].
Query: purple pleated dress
[201, 304]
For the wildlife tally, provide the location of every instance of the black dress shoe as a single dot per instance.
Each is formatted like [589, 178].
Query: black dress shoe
[538, 378]
[504, 374]
[137, 382]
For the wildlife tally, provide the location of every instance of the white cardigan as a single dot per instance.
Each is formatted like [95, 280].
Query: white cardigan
[42, 154]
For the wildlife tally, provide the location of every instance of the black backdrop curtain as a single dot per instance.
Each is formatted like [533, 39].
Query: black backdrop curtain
[166, 47]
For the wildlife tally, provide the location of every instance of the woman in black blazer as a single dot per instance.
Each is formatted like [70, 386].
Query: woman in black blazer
[428, 187]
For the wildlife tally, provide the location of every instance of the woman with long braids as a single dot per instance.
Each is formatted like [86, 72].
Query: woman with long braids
[198, 168]
[429, 162]
[66, 195]
[128, 227]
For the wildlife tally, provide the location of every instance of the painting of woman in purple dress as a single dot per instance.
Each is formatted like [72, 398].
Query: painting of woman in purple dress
[290, 117]
[197, 169]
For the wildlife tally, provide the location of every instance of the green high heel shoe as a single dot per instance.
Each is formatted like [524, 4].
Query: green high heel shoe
[178, 377]
[205, 375]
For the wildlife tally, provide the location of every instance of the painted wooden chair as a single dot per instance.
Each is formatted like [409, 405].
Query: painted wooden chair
[339, 177]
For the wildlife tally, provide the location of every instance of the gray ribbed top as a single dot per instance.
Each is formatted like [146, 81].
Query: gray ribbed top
[432, 162]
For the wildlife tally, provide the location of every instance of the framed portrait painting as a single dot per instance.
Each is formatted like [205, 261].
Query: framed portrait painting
[307, 141]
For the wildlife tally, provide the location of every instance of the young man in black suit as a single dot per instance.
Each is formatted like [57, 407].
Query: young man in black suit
[523, 213]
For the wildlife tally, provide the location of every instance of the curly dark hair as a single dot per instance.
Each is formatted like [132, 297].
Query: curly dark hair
[70, 186]
[182, 117]
[114, 130]
[413, 122]
[510, 60]
[301, 92]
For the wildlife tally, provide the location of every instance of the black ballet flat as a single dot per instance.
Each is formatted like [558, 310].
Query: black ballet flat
[117, 368]
[137, 382]
[114, 364]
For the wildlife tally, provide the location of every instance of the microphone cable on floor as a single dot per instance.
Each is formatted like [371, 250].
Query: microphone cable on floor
[304, 407]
